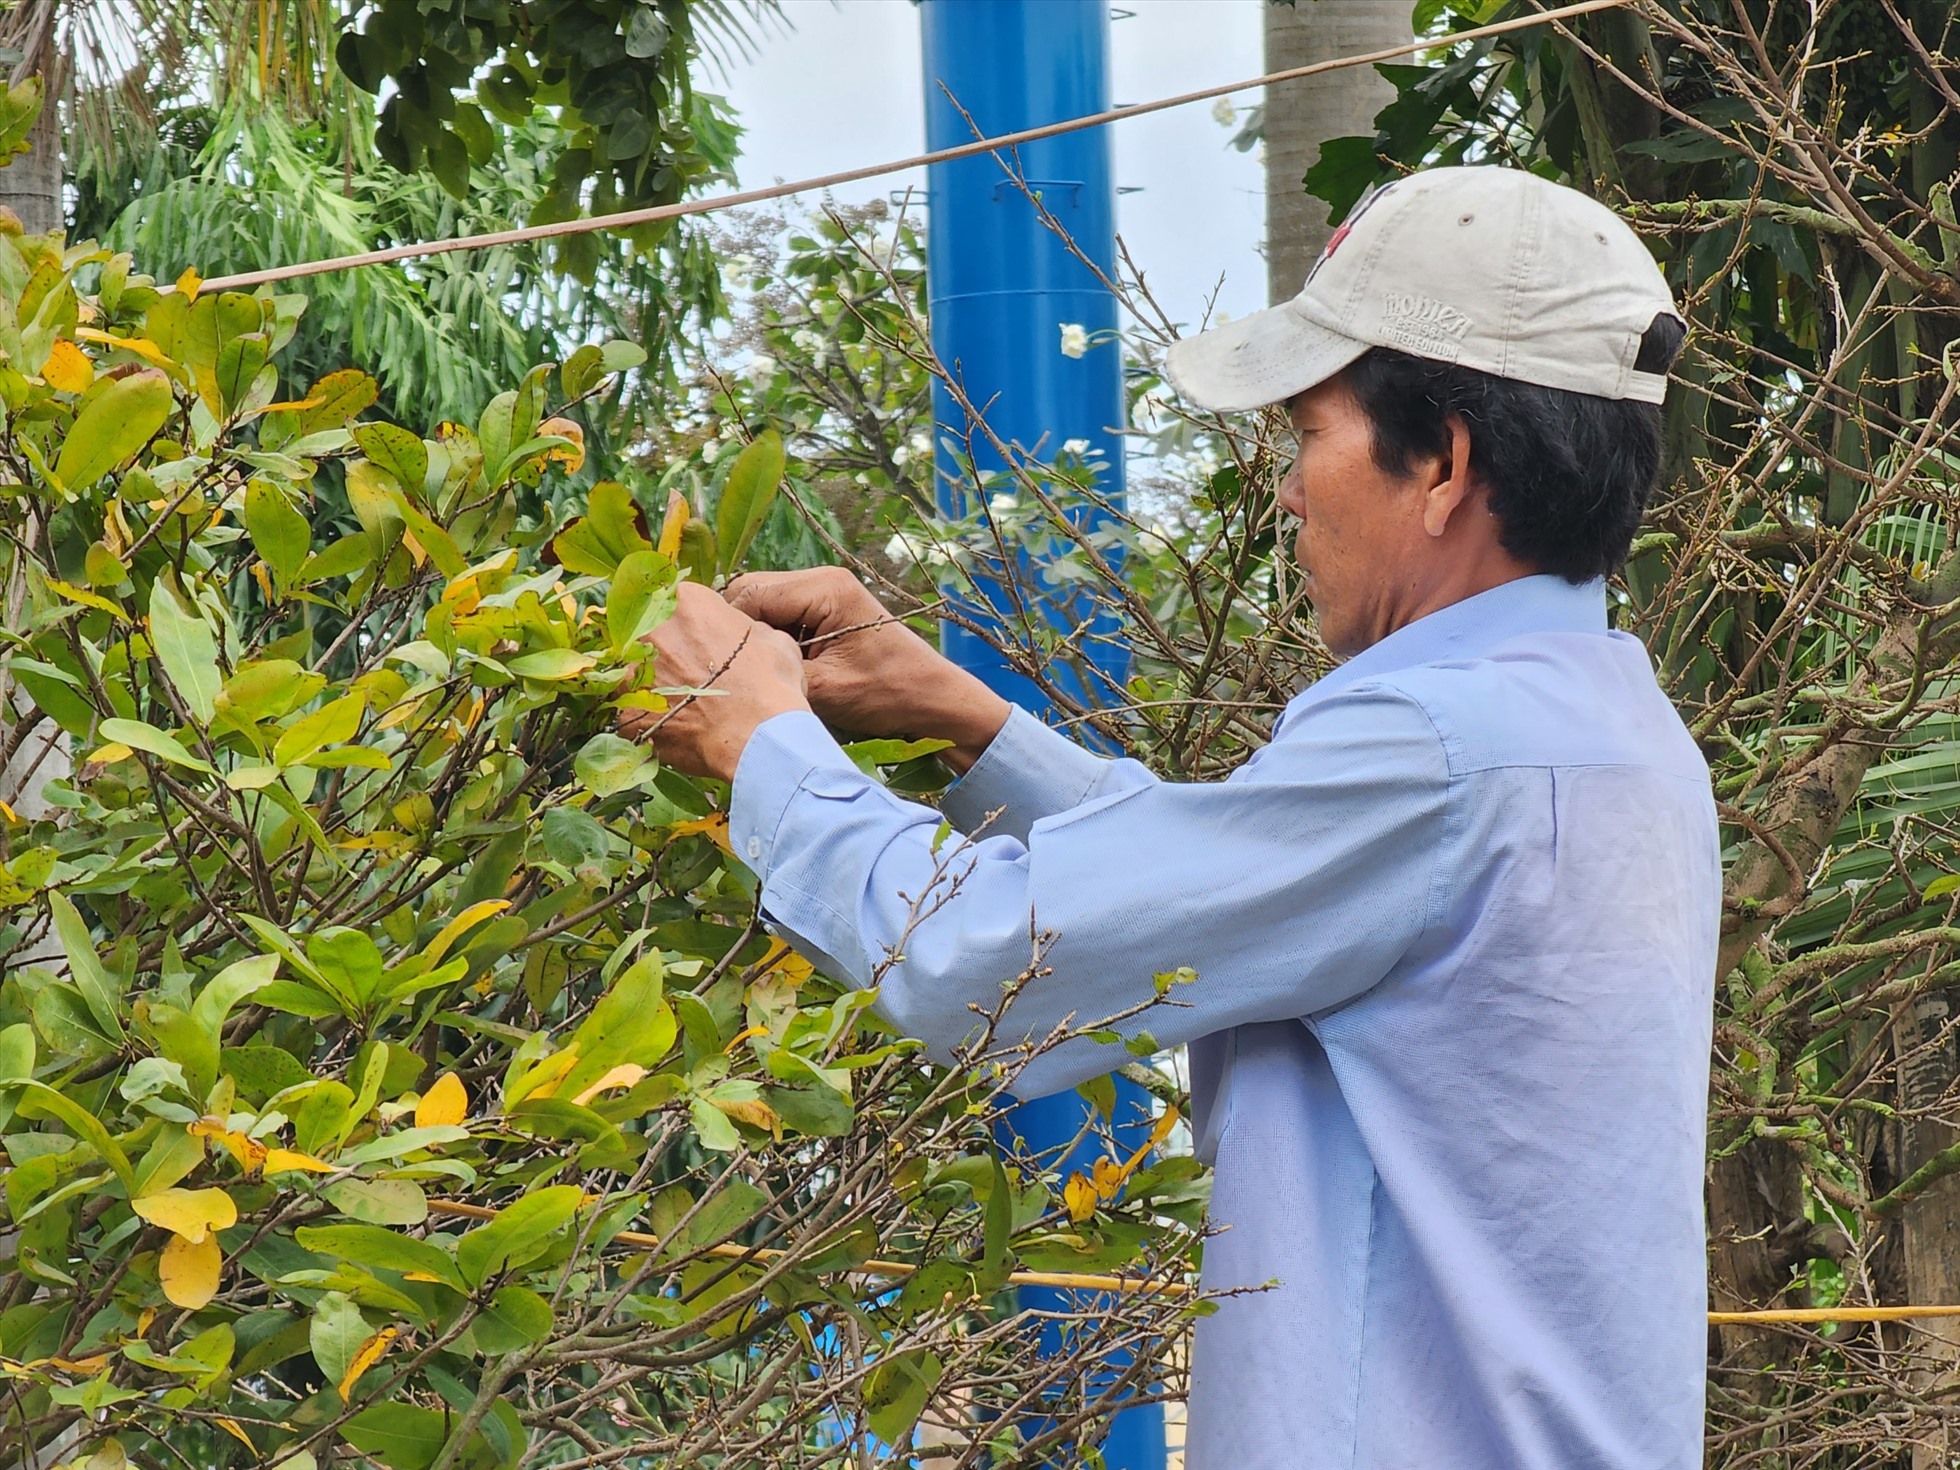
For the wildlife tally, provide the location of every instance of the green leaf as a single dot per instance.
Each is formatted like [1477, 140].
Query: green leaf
[370, 1245]
[16, 1063]
[631, 1023]
[519, 1233]
[582, 371]
[640, 599]
[897, 1391]
[753, 481]
[712, 1127]
[116, 421]
[550, 664]
[397, 451]
[611, 530]
[84, 968]
[871, 754]
[607, 764]
[516, 1317]
[333, 402]
[40, 1100]
[188, 652]
[348, 961]
[400, 1436]
[337, 1333]
[572, 838]
[267, 689]
[20, 109]
[328, 725]
[379, 1201]
[151, 741]
[280, 534]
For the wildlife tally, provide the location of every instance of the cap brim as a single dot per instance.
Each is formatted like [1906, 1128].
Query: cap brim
[1261, 359]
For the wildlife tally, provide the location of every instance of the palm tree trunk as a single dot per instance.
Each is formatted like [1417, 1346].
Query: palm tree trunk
[1302, 115]
[30, 185]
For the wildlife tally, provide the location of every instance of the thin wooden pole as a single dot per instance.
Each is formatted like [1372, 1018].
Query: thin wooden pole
[890, 1270]
[629, 218]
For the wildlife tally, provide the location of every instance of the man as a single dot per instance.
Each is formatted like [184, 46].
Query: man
[1454, 928]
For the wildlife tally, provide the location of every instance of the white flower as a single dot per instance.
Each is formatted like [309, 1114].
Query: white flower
[902, 549]
[1075, 339]
[1002, 503]
[741, 271]
[760, 370]
[711, 451]
[902, 456]
[921, 443]
[806, 340]
[1076, 447]
[1224, 113]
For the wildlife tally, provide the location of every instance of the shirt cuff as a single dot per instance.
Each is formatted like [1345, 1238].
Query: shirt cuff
[781, 755]
[1026, 773]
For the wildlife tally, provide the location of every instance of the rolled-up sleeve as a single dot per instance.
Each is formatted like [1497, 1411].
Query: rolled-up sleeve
[1288, 889]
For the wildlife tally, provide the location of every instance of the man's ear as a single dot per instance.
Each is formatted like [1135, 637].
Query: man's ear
[1449, 479]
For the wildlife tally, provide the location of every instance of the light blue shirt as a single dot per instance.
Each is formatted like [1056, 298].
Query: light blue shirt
[1455, 934]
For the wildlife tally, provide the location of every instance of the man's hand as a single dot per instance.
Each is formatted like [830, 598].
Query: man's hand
[865, 671]
[748, 673]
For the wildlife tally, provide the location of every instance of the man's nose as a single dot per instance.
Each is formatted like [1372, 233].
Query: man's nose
[1292, 491]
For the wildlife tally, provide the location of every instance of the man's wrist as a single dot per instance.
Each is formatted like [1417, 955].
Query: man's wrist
[971, 718]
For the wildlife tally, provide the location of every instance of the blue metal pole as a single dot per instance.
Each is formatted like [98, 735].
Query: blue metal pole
[1000, 285]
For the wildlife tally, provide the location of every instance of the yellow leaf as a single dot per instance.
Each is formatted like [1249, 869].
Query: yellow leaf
[109, 754]
[757, 1114]
[282, 1160]
[1107, 1176]
[68, 368]
[192, 1214]
[144, 1319]
[231, 1427]
[249, 1152]
[189, 1270]
[572, 455]
[457, 927]
[143, 347]
[1080, 1197]
[445, 1103]
[421, 1276]
[714, 827]
[786, 962]
[13, 820]
[671, 527]
[542, 1079]
[369, 1354]
[85, 597]
[1158, 1134]
[295, 405]
[190, 282]
[626, 1074]
[94, 1363]
[264, 579]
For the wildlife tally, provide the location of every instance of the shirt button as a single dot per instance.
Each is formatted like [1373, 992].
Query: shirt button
[754, 848]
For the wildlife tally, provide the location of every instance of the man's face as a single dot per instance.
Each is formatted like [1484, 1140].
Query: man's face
[1361, 532]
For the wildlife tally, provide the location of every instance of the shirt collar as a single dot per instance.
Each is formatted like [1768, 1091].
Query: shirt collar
[1473, 627]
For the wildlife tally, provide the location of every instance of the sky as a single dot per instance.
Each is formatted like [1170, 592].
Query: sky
[841, 87]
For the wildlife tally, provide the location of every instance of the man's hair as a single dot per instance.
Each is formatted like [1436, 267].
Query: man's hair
[1568, 474]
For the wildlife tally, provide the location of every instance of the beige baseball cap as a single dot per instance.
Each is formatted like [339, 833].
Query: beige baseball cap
[1489, 268]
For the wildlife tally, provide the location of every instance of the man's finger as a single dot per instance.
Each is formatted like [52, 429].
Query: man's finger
[805, 601]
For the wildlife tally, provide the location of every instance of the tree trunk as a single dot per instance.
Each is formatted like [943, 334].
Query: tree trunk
[1302, 115]
[31, 185]
[1928, 1050]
